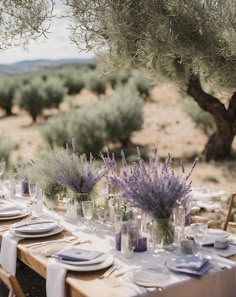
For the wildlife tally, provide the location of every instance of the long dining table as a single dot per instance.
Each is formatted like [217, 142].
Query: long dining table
[221, 283]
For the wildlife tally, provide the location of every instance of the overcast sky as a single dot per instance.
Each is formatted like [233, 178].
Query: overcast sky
[56, 46]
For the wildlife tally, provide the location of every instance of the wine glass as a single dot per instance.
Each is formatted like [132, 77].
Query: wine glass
[88, 209]
[32, 193]
[199, 234]
[101, 212]
[2, 168]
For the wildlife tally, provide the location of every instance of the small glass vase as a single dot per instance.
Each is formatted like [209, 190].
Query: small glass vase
[77, 199]
[129, 238]
[163, 234]
[24, 188]
[52, 202]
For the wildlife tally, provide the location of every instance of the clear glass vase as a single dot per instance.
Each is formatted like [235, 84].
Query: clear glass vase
[76, 199]
[163, 234]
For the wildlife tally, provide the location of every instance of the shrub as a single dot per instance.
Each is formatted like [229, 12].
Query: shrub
[120, 77]
[202, 119]
[54, 92]
[55, 131]
[93, 126]
[31, 97]
[142, 83]
[123, 114]
[8, 86]
[96, 83]
[74, 82]
[6, 148]
[88, 127]
[39, 94]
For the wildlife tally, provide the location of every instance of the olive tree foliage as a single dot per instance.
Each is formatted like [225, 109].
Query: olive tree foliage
[191, 41]
[21, 20]
[174, 36]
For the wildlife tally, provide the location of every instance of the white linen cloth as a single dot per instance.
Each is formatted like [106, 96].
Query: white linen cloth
[222, 284]
[8, 256]
[224, 274]
[55, 283]
[219, 282]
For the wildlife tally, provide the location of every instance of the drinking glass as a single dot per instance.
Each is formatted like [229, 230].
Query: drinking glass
[199, 234]
[101, 213]
[32, 193]
[179, 223]
[88, 209]
[2, 168]
[32, 190]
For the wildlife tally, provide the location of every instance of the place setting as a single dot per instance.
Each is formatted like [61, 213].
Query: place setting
[36, 228]
[78, 259]
[26, 229]
[211, 241]
[73, 259]
[12, 211]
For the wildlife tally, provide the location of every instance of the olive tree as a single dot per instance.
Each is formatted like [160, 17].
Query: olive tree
[21, 20]
[192, 41]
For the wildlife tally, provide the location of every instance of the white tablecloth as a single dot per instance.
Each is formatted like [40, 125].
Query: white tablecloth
[219, 282]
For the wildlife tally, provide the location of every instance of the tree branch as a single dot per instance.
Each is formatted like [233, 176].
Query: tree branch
[206, 101]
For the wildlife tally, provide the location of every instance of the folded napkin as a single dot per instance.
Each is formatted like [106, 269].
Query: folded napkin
[55, 283]
[191, 262]
[76, 254]
[8, 256]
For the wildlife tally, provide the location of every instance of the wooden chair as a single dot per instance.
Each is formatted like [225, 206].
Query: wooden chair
[231, 204]
[12, 283]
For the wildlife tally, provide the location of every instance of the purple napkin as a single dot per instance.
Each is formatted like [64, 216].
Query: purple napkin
[190, 262]
[76, 254]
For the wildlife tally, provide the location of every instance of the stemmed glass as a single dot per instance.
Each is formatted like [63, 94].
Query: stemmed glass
[2, 168]
[32, 193]
[101, 212]
[88, 209]
[199, 234]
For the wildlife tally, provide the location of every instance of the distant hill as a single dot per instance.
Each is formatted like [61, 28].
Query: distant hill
[36, 65]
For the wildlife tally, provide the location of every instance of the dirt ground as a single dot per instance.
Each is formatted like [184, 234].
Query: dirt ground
[166, 127]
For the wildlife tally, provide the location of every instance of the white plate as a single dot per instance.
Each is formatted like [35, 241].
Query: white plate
[22, 215]
[56, 230]
[108, 262]
[10, 213]
[212, 234]
[37, 228]
[150, 277]
[97, 260]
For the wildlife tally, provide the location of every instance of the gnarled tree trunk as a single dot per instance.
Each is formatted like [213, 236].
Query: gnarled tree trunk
[219, 145]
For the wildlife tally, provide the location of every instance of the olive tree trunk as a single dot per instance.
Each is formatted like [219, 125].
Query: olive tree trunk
[219, 145]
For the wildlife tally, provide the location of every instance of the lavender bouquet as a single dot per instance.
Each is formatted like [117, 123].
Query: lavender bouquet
[77, 173]
[155, 188]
